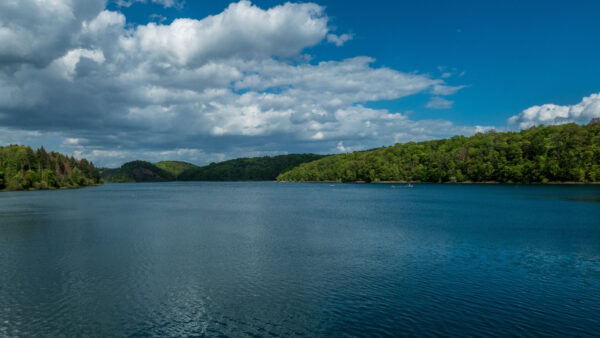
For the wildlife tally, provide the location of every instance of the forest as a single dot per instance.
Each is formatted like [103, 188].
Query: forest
[22, 168]
[247, 169]
[137, 171]
[563, 153]
[241, 169]
[175, 167]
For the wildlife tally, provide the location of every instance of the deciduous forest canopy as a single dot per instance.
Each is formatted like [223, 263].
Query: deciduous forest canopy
[568, 152]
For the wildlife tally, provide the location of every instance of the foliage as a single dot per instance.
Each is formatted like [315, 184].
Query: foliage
[247, 169]
[22, 168]
[568, 152]
[137, 171]
[175, 167]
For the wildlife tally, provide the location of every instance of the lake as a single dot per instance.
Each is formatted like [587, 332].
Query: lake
[293, 259]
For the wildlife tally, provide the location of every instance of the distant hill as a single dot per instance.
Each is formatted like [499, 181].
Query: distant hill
[22, 168]
[247, 169]
[137, 171]
[175, 167]
[564, 153]
[241, 169]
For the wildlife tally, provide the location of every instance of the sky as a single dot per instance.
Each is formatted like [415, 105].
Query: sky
[205, 81]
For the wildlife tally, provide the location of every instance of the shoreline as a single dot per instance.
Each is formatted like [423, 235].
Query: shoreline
[333, 182]
[466, 182]
[52, 189]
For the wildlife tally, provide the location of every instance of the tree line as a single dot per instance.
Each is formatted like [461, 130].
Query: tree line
[541, 154]
[247, 169]
[22, 168]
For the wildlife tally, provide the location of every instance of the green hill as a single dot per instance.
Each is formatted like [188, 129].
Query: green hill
[22, 168]
[563, 153]
[247, 169]
[241, 169]
[175, 167]
[137, 171]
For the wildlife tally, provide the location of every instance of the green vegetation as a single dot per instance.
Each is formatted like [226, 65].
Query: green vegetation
[175, 167]
[142, 171]
[137, 171]
[22, 168]
[565, 153]
[247, 169]
[241, 169]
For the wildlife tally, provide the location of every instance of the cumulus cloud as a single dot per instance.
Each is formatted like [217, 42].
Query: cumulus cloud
[242, 30]
[582, 112]
[37, 32]
[228, 85]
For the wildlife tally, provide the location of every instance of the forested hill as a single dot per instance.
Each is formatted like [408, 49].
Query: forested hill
[137, 171]
[241, 169]
[22, 168]
[247, 169]
[175, 167]
[564, 153]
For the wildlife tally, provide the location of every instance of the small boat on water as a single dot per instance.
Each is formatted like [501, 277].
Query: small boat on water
[409, 185]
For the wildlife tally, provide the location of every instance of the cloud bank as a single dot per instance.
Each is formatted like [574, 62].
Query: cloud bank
[582, 113]
[232, 84]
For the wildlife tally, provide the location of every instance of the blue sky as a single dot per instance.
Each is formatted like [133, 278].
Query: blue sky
[120, 80]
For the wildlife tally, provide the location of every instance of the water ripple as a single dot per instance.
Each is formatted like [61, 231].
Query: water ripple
[261, 259]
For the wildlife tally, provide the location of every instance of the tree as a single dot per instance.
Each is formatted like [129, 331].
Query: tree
[31, 178]
[16, 182]
[1, 178]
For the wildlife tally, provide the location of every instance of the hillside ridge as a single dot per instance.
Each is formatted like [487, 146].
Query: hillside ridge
[562, 153]
[264, 168]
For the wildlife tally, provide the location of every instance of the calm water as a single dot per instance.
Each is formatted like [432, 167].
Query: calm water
[274, 259]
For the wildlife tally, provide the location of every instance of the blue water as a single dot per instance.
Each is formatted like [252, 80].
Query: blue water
[288, 259]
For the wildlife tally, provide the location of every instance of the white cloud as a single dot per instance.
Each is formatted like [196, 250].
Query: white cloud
[66, 65]
[105, 24]
[164, 3]
[582, 112]
[445, 90]
[233, 84]
[71, 142]
[241, 30]
[158, 18]
[339, 40]
[437, 102]
[336, 82]
[36, 32]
